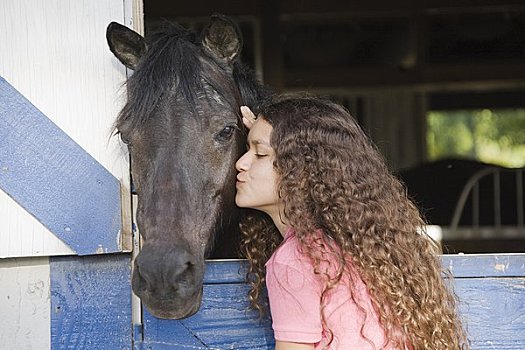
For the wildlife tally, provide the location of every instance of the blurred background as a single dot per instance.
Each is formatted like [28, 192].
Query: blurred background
[438, 85]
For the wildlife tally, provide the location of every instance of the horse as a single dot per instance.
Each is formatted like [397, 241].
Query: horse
[184, 133]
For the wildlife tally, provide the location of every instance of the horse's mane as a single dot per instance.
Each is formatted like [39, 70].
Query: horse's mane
[172, 58]
[252, 91]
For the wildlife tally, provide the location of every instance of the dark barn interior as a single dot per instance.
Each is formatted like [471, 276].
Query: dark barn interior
[390, 63]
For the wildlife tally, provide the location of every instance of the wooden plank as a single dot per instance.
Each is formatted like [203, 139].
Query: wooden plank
[425, 76]
[335, 8]
[91, 302]
[491, 289]
[271, 47]
[485, 265]
[461, 265]
[398, 136]
[225, 271]
[24, 306]
[54, 179]
[223, 322]
[57, 57]
[494, 311]
[22, 235]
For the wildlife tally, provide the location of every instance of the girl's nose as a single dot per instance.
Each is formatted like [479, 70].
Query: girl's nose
[242, 163]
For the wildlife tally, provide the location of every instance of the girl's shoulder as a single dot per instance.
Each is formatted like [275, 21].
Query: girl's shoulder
[301, 254]
[289, 251]
[291, 269]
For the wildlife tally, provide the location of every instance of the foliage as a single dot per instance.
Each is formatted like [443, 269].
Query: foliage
[494, 136]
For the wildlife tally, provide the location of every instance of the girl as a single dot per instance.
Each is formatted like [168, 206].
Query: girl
[342, 250]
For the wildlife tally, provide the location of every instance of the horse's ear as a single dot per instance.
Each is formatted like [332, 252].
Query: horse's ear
[222, 38]
[127, 45]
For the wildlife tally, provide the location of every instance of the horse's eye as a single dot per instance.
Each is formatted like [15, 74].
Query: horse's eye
[124, 139]
[226, 133]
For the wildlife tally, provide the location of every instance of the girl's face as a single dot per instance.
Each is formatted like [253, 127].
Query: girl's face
[256, 178]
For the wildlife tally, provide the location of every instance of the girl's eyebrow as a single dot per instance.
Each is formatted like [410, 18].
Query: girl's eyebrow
[259, 142]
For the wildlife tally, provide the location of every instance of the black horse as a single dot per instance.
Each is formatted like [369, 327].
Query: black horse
[183, 129]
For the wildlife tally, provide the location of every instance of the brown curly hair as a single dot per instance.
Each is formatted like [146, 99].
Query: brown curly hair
[333, 178]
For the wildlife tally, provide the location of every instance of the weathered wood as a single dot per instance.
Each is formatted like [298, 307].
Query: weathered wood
[491, 289]
[55, 54]
[91, 302]
[24, 303]
[485, 265]
[494, 311]
[422, 76]
[223, 322]
[55, 179]
[331, 8]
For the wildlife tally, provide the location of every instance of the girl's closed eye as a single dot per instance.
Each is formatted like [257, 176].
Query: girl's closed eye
[258, 155]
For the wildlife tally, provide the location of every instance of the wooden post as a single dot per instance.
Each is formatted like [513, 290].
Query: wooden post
[272, 55]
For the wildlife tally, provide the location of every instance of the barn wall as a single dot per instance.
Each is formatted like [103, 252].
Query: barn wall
[395, 121]
[25, 306]
[55, 54]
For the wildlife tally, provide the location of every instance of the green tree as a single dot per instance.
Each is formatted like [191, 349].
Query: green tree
[491, 136]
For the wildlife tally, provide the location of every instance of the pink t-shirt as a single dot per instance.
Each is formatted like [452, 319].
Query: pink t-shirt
[294, 291]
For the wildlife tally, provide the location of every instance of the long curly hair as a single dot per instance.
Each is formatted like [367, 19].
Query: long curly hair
[332, 178]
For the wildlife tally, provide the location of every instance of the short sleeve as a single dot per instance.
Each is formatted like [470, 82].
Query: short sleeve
[295, 299]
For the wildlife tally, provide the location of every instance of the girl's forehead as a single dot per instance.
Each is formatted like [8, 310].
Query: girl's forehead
[260, 132]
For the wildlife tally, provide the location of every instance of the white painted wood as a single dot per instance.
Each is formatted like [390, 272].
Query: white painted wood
[55, 53]
[393, 119]
[23, 235]
[25, 304]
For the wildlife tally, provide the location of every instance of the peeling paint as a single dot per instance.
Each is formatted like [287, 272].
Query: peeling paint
[500, 267]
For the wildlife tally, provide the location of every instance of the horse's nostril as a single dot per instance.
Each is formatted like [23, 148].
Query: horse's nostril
[185, 271]
[167, 272]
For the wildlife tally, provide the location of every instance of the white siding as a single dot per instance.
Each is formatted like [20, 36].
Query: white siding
[55, 53]
[25, 304]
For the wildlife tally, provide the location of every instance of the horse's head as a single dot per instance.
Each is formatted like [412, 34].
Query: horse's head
[183, 129]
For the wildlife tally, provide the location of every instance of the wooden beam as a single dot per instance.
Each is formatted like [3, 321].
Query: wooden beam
[428, 74]
[271, 50]
[381, 8]
[45, 171]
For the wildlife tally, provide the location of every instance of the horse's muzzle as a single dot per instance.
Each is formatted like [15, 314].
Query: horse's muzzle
[168, 280]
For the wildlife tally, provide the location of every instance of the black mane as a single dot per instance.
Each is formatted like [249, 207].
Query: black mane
[253, 93]
[172, 59]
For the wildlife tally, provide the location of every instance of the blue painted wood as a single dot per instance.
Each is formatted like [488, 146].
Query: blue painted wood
[491, 289]
[223, 322]
[225, 271]
[485, 265]
[91, 302]
[54, 179]
[494, 311]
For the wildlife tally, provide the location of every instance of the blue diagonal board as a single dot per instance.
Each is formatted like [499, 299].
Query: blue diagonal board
[55, 179]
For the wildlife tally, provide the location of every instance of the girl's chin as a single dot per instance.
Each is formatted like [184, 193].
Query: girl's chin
[243, 203]
[239, 202]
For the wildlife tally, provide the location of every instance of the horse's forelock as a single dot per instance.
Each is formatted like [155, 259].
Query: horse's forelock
[170, 63]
